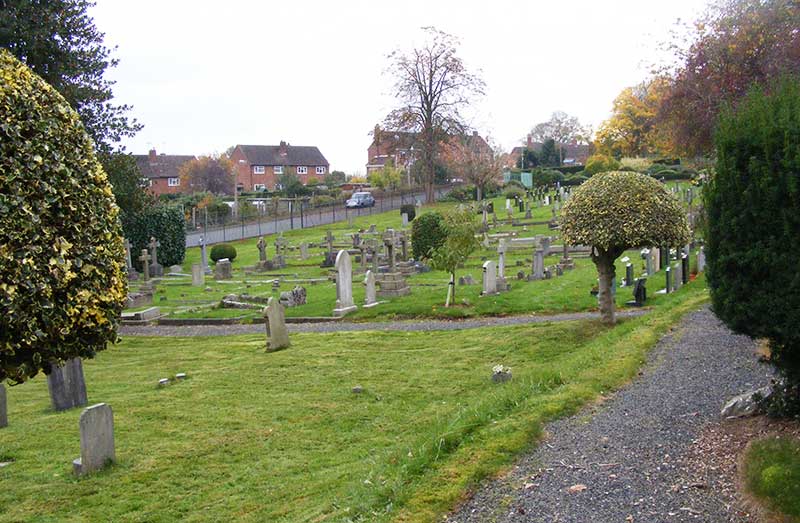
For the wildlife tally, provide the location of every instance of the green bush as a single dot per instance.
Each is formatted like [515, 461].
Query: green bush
[515, 184]
[165, 224]
[568, 169]
[221, 251]
[600, 163]
[545, 177]
[574, 179]
[463, 193]
[62, 281]
[513, 193]
[753, 219]
[427, 233]
[410, 210]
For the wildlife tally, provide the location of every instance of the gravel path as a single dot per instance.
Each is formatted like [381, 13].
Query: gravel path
[629, 459]
[339, 326]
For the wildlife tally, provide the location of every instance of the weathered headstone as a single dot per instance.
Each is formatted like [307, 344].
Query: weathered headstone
[198, 278]
[275, 322]
[639, 293]
[132, 274]
[404, 217]
[668, 277]
[3, 407]
[372, 228]
[388, 242]
[330, 257]
[303, 250]
[294, 297]
[156, 269]
[370, 297]
[628, 274]
[145, 259]
[545, 242]
[502, 285]
[701, 260]
[403, 247]
[97, 439]
[537, 268]
[685, 269]
[344, 285]
[203, 255]
[489, 278]
[647, 255]
[223, 270]
[67, 386]
[677, 277]
[262, 250]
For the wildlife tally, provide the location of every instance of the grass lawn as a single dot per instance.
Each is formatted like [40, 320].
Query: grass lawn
[280, 437]
[772, 472]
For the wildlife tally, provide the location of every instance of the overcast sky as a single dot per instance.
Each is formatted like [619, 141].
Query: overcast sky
[203, 76]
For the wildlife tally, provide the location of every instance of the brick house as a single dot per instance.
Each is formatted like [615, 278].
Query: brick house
[162, 171]
[574, 153]
[258, 167]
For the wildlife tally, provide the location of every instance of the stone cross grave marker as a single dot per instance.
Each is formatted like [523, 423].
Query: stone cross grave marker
[489, 278]
[156, 269]
[275, 322]
[97, 439]
[344, 285]
[403, 246]
[262, 249]
[145, 259]
[203, 255]
[3, 407]
[370, 299]
[198, 277]
[372, 244]
[388, 242]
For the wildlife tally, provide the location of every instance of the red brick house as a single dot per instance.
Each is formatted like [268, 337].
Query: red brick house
[258, 167]
[162, 171]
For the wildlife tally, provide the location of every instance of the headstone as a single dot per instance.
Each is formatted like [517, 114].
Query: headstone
[97, 439]
[362, 247]
[198, 278]
[275, 322]
[668, 277]
[647, 254]
[262, 250]
[663, 257]
[639, 293]
[204, 256]
[132, 274]
[677, 277]
[501, 285]
[388, 242]
[344, 285]
[628, 274]
[405, 219]
[370, 299]
[67, 386]
[701, 260]
[145, 259]
[403, 247]
[489, 278]
[330, 258]
[546, 245]
[372, 228]
[304, 250]
[685, 269]
[223, 270]
[294, 297]
[3, 407]
[156, 269]
[537, 268]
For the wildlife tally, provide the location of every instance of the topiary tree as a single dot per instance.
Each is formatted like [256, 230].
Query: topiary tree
[616, 211]
[221, 251]
[409, 209]
[62, 285]
[753, 219]
[427, 233]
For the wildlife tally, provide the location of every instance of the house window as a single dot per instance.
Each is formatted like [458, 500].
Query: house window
[259, 187]
[278, 169]
[302, 169]
[173, 182]
[258, 169]
[321, 169]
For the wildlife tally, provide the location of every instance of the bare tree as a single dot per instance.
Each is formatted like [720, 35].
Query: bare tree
[469, 157]
[562, 128]
[432, 85]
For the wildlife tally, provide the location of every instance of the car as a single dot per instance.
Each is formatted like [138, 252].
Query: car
[360, 199]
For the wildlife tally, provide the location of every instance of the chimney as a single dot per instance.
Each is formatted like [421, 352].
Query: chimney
[530, 142]
[475, 134]
[283, 148]
[152, 156]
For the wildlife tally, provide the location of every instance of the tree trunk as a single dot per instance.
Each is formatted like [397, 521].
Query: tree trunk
[604, 260]
[451, 290]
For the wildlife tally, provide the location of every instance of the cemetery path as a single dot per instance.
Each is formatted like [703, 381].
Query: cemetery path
[341, 326]
[638, 457]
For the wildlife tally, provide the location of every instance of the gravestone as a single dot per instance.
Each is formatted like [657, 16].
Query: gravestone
[502, 285]
[545, 242]
[639, 293]
[362, 258]
[223, 270]
[330, 257]
[3, 407]
[281, 245]
[203, 255]
[262, 251]
[485, 220]
[701, 260]
[344, 285]
[145, 259]
[489, 279]
[403, 247]
[668, 278]
[528, 214]
[275, 323]
[537, 268]
[132, 274]
[677, 277]
[97, 439]
[370, 297]
[198, 278]
[663, 257]
[566, 262]
[628, 274]
[405, 220]
[156, 269]
[67, 386]
[294, 297]
[372, 245]
[647, 254]
[388, 242]
[685, 269]
[304, 251]
[372, 228]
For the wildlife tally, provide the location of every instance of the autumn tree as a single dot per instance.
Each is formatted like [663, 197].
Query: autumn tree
[469, 157]
[460, 227]
[212, 173]
[562, 129]
[734, 45]
[432, 87]
[616, 211]
[388, 178]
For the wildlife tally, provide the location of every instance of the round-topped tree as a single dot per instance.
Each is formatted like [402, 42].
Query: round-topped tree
[61, 254]
[616, 211]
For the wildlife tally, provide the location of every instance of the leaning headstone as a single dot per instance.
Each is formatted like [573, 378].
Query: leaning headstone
[344, 285]
[489, 279]
[223, 270]
[198, 278]
[67, 386]
[275, 322]
[97, 439]
[370, 298]
[3, 407]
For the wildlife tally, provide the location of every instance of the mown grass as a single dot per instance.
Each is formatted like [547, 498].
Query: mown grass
[280, 437]
[772, 474]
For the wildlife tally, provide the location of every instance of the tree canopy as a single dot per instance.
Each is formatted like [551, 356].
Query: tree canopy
[62, 286]
[212, 173]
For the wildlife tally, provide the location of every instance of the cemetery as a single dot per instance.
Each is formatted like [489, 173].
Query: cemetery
[599, 325]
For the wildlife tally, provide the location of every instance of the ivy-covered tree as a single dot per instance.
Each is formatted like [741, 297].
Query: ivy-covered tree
[753, 223]
[62, 285]
[616, 211]
[460, 227]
